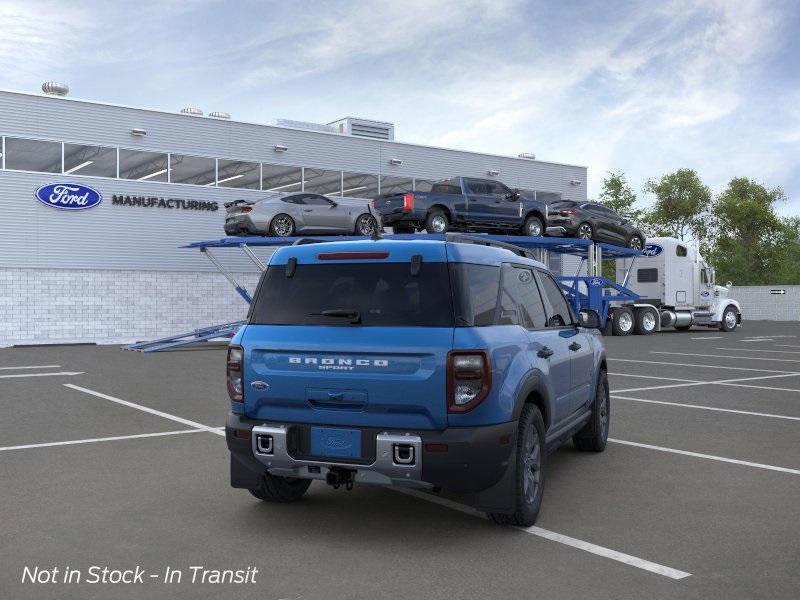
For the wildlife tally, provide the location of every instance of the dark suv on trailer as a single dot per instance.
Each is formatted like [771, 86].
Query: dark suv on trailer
[593, 221]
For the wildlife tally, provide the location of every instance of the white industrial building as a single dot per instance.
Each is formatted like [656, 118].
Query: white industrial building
[114, 272]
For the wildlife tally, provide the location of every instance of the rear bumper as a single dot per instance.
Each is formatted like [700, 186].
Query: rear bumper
[570, 226]
[460, 459]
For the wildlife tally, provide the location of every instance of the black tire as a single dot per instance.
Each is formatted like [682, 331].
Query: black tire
[635, 242]
[729, 322]
[366, 225]
[403, 228]
[645, 322]
[594, 435]
[533, 227]
[585, 231]
[280, 489]
[622, 322]
[437, 221]
[530, 434]
[282, 225]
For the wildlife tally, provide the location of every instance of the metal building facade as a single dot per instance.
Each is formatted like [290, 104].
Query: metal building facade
[140, 244]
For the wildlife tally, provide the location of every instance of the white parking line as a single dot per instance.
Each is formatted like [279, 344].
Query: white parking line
[707, 456]
[756, 340]
[734, 382]
[787, 346]
[703, 407]
[627, 559]
[708, 337]
[147, 409]
[31, 367]
[102, 439]
[794, 360]
[674, 364]
[666, 377]
[64, 373]
[759, 350]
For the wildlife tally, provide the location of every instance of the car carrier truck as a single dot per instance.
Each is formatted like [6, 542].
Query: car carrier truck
[676, 289]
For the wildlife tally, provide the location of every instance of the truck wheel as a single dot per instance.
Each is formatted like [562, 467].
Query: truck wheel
[436, 222]
[645, 323]
[533, 227]
[594, 435]
[282, 225]
[529, 484]
[622, 321]
[280, 489]
[729, 320]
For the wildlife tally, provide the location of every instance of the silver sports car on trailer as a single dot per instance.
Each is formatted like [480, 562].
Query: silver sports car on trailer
[282, 215]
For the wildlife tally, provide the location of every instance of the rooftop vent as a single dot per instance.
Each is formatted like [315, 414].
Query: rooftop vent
[527, 155]
[192, 110]
[53, 88]
[303, 125]
[376, 130]
[219, 115]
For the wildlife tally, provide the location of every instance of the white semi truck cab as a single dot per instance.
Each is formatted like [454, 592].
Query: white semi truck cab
[676, 289]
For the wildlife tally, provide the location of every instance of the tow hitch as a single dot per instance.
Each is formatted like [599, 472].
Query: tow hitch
[338, 476]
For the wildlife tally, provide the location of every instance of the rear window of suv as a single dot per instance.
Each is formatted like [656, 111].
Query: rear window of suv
[383, 294]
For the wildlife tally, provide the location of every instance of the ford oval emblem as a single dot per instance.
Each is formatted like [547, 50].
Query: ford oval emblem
[259, 385]
[595, 282]
[68, 196]
[652, 250]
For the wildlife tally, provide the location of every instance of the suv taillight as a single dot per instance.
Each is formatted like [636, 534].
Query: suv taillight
[469, 378]
[408, 202]
[570, 211]
[246, 209]
[234, 373]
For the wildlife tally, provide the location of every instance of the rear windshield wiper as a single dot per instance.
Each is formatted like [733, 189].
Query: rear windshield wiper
[342, 313]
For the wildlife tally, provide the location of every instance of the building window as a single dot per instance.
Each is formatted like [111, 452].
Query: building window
[33, 155]
[359, 185]
[238, 174]
[423, 185]
[280, 178]
[396, 185]
[195, 170]
[143, 166]
[320, 181]
[90, 160]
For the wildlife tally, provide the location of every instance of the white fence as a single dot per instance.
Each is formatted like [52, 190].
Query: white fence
[768, 302]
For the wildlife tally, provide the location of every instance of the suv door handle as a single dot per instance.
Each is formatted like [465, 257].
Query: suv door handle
[574, 346]
[307, 210]
[545, 353]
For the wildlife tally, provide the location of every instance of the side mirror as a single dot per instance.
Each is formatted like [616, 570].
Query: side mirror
[589, 319]
[334, 204]
[729, 284]
[513, 196]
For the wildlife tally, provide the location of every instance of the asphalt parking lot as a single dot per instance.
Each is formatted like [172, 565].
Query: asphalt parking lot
[117, 458]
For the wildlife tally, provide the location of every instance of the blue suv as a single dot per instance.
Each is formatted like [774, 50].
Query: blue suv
[443, 365]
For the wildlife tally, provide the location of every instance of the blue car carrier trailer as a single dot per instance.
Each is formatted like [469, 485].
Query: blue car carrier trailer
[584, 292]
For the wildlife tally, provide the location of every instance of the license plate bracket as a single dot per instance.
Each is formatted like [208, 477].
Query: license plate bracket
[335, 442]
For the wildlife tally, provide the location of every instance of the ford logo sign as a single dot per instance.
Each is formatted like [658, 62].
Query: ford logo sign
[595, 282]
[68, 196]
[652, 250]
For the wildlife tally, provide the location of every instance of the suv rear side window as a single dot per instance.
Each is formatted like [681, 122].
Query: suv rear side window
[520, 300]
[559, 313]
[475, 289]
[383, 294]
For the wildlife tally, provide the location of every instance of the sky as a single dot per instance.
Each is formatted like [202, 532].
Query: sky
[639, 87]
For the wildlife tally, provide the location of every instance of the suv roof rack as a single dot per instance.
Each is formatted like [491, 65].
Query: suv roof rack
[461, 238]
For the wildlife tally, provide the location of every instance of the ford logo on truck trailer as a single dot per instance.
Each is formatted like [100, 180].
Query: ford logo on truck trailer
[68, 196]
[652, 250]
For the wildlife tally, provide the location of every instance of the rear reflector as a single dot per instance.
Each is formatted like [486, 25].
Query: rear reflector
[352, 255]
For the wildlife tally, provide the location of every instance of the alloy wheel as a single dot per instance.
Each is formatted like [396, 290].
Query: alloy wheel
[534, 228]
[635, 243]
[439, 224]
[532, 465]
[366, 225]
[282, 226]
[585, 231]
[730, 319]
[625, 321]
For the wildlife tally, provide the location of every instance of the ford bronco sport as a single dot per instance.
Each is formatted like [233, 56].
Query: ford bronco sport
[441, 365]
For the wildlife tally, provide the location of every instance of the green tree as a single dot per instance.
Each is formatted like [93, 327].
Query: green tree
[681, 206]
[751, 244]
[618, 195]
